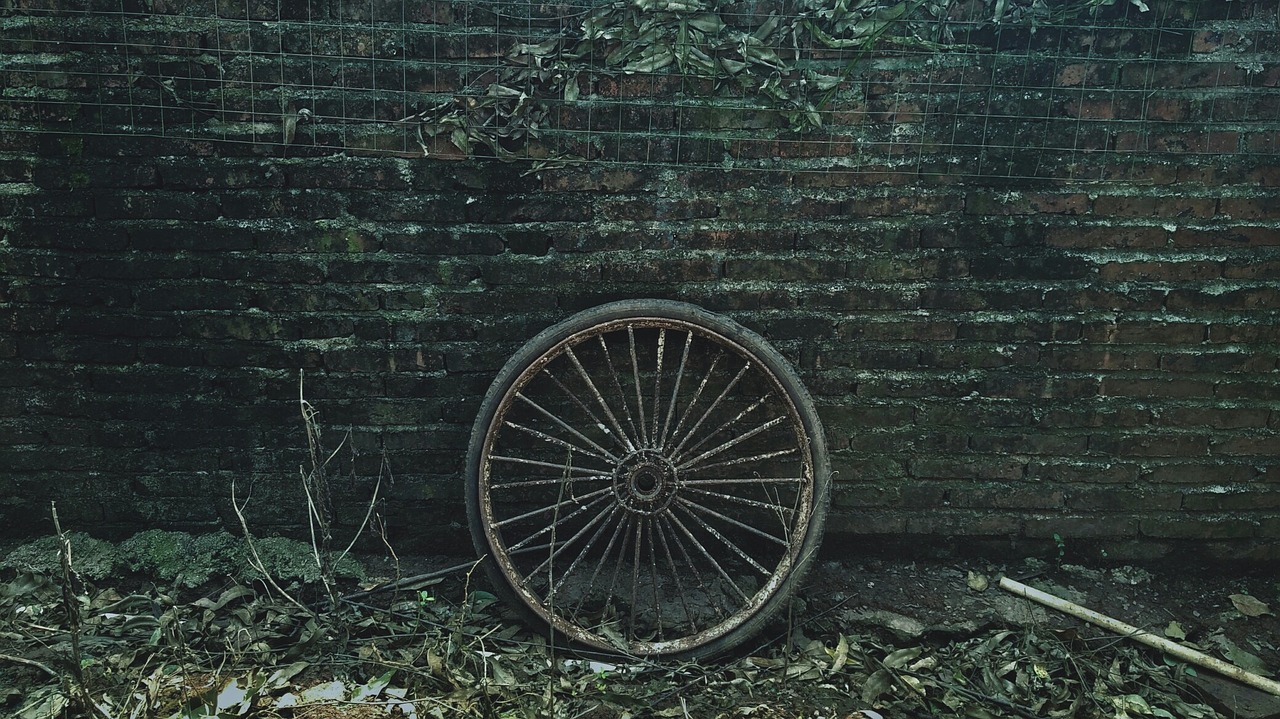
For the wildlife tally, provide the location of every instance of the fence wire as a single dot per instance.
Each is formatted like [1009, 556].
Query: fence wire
[1005, 89]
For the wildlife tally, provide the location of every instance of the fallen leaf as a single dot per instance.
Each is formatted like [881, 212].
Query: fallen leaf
[902, 657]
[978, 582]
[877, 684]
[1175, 631]
[1240, 657]
[1249, 606]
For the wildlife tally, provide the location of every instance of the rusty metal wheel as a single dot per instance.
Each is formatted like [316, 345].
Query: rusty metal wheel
[647, 478]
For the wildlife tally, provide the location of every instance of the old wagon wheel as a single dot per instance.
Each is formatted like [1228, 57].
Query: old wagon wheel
[647, 478]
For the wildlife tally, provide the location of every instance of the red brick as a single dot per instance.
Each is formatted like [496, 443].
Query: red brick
[1138, 332]
[1245, 298]
[1079, 527]
[967, 468]
[1235, 500]
[1184, 526]
[1145, 206]
[1103, 498]
[1238, 236]
[1168, 109]
[1123, 387]
[1263, 332]
[1118, 237]
[1004, 497]
[1268, 446]
[1213, 40]
[1250, 208]
[1077, 74]
[1214, 417]
[1150, 445]
[1077, 472]
[1111, 417]
[1199, 473]
[1168, 74]
[960, 523]
[1265, 142]
[1108, 360]
[1218, 362]
[1159, 271]
[1266, 270]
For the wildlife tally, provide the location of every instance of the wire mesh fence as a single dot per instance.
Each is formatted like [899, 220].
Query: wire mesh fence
[1015, 89]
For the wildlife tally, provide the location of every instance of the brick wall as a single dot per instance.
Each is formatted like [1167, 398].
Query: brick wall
[1034, 286]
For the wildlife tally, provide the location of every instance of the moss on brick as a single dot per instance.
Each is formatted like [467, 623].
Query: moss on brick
[92, 559]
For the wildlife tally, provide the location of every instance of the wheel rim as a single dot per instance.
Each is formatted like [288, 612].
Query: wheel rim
[646, 485]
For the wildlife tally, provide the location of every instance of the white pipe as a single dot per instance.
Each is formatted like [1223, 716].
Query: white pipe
[1139, 635]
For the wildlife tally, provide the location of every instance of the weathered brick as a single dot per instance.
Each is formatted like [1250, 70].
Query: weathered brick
[158, 206]
[968, 468]
[1198, 527]
[1149, 445]
[1117, 237]
[1236, 236]
[1249, 208]
[1148, 206]
[1200, 473]
[1255, 446]
[1072, 526]
[1215, 417]
[1160, 271]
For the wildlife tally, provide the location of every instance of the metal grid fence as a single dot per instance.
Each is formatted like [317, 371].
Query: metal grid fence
[987, 88]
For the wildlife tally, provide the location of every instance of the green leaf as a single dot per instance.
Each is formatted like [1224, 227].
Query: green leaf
[902, 657]
[876, 685]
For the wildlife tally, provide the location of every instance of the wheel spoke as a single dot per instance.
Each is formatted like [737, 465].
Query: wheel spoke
[622, 557]
[653, 576]
[697, 394]
[732, 443]
[557, 441]
[582, 372]
[690, 506]
[723, 393]
[742, 480]
[604, 525]
[565, 469]
[675, 572]
[553, 507]
[618, 530]
[635, 577]
[617, 385]
[744, 460]
[562, 546]
[675, 391]
[565, 425]
[744, 501]
[544, 482]
[635, 376]
[596, 421]
[725, 541]
[719, 569]
[715, 432]
[657, 386]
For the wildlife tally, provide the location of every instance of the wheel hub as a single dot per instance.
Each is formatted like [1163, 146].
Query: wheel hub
[644, 482]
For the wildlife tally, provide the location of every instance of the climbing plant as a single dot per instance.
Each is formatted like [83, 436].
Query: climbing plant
[770, 64]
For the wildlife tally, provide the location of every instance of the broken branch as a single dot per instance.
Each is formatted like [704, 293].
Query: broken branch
[1138, 635]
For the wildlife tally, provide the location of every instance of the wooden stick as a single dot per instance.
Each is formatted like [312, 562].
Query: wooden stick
[1138, 635]
[30, 663]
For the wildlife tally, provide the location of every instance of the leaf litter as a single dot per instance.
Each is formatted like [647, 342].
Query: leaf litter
[447, 648]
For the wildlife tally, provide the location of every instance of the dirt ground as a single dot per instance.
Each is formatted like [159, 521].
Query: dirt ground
[904, 603]
[863, 639]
